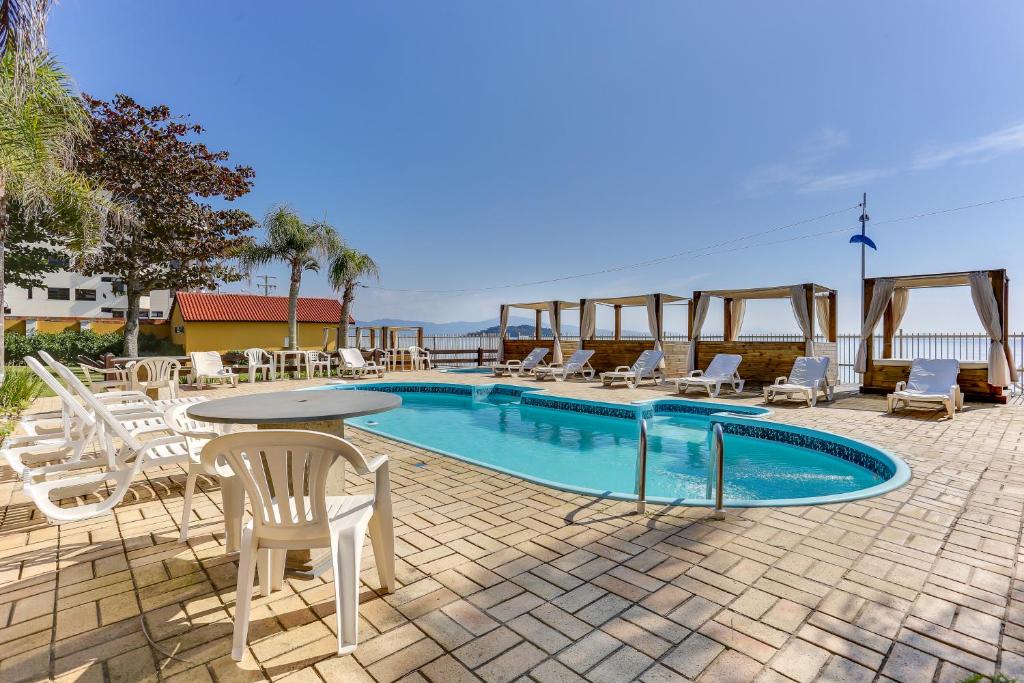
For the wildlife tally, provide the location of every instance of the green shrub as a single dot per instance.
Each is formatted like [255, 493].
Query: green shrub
[18, 389]
[155, 346]
[65, 346]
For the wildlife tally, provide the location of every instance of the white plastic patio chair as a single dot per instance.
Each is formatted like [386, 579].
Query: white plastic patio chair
[125, 461]
[352, 362]
[516, 368]
[103, 379]
[806, 380]
[420, 358]
[291, 510]
[317, 361]
[79, 430]
[723, 369]
[931, 381]
[259, 361]
[208, 366]
[159, 372]
[578, 364]
[645, 367]
[197, 434]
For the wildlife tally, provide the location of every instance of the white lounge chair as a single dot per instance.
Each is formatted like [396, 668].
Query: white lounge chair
[78, 431]
[127, 455]
[533, 360]
[931, 381]
[352, 362]
[208, 366]
[723, 369]
[103, 379]
[298, 461]
[806, 380]
[259, 361]
[578, 364]
[645, 367]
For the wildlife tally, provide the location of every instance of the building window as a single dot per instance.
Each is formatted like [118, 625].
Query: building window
[106, 310]
[119, 288]
[156, 314]
[118, 314]
[58, 261]
[108, 278]
[85, 295]
[58, 293]
[29, 292]
[143, 315]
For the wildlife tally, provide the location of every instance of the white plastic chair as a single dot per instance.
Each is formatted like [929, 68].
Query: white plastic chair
[317, 361]
[207, 366]
[578, 364]
[159, 372]
[79, 429]
[723, 369]
[645, 367]
[291, 510]
[259, 361]
[197, 434]
[516, 368]
[420, 358]
[931, 381]
[352, 361]
[806, 379]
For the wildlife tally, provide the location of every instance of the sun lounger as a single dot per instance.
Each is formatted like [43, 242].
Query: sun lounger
[578, 364]
[352, 362]
[645, 367]
[931, 381]
[516, 368]
[207, 366]
[806, 380]
[724, 369]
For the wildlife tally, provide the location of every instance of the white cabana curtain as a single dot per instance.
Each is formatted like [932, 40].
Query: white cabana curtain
[739, 308]
[502, 331]
[653, 316]
[900, 301]
[880, 297]
[798, 300]
[821, 310]
[556, 333]
[588, 323]
[1001, 370]
[700, 313]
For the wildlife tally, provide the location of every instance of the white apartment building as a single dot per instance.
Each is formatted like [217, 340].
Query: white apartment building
[67, 294]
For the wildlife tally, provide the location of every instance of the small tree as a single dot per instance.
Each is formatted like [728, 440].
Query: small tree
[152, 161]
[344, 274]
[298, 244]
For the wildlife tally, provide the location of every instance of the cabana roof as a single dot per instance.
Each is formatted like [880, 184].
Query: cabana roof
[780, 292]
[637, 300]
[543, 305]
[935, 280]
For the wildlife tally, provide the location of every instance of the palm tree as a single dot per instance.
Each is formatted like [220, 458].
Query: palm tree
[344, 273]
[42, 121]
[299, 244]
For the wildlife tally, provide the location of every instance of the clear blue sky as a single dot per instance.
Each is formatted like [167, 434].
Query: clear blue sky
[467, 144]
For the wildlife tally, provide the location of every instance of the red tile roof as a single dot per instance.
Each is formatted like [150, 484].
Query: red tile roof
[209, 307]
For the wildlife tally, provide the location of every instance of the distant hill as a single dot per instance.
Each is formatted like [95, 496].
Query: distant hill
[513, 331]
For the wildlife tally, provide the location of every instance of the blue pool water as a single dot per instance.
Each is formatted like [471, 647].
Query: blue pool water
[597, 453]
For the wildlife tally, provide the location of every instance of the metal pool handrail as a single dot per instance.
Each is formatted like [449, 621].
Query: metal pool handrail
[641, 469]
[716, 468]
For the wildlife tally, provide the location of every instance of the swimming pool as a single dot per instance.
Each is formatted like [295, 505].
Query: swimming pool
[591, 447]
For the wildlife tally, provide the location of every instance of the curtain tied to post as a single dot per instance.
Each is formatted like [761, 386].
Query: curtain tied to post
[880, 297]
[798, 300]
[700, 312]
[502, 331]
[556, 333]
[1001, 368]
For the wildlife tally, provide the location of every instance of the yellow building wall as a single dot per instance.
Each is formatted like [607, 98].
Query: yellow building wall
[56, 326]
[238, 336]
[176, 323]
[14, 326]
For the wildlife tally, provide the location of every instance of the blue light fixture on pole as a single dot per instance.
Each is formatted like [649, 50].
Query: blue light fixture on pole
[864, 241]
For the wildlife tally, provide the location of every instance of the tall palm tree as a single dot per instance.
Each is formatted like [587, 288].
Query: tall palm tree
[300, 245]
[41, 123]
[344, 273]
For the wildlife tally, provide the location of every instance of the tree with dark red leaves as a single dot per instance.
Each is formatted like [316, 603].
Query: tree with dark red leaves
[153, 162]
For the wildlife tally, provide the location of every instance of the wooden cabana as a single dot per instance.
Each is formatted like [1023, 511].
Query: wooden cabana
[763, 361]
[610, 353]
[518, 348]
[886, 300]
[384, 337]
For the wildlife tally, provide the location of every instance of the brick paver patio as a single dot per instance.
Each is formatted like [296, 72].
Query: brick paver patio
[504, 580]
